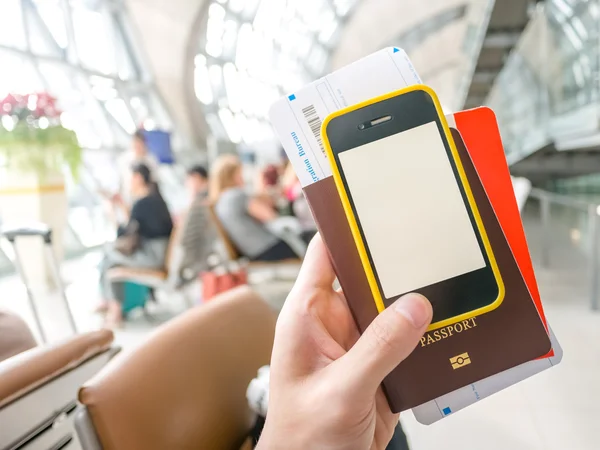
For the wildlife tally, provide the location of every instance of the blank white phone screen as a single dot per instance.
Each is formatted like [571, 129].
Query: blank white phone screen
[411, 211]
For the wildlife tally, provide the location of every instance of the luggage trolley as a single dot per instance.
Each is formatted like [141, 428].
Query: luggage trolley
[11, 233]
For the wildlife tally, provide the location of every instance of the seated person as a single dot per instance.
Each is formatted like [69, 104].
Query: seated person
[242, 216]
[151, 219]
[298, 204]
[196, 182]
[196, 236]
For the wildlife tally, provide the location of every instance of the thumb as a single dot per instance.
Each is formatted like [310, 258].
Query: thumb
[390, 338]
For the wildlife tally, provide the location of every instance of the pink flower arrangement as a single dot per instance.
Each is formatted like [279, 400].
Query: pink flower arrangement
[31, 108]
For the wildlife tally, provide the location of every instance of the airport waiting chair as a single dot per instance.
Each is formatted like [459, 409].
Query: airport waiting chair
[38, 390]
[185, 387]
[167, 279]
[15, 335]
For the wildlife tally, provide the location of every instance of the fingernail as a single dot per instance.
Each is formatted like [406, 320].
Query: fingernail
[415, 308]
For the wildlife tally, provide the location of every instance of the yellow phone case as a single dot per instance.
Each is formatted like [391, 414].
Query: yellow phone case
[463, 178]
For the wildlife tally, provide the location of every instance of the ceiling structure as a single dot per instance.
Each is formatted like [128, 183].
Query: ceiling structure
[438, 35]
[506, 22]
[266, 48]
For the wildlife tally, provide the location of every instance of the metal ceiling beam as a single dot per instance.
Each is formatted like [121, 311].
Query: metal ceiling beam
[502, 39]
[502, 35]
[558, 164]
[411, 38]
[484, 76]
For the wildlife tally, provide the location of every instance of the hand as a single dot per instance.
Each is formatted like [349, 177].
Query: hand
[325, 378]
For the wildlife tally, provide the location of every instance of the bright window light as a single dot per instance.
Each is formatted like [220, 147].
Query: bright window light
[245, 43]
[94, 53]
[52, 14]
[236, 5]
[563, 7]
[215, 74]
[8, 123]
[202, 85]
[232, 86]
[579, 28]
[11, 32]
[231, 128]
[258, 50]
[214, 48]
[343, 7]
[119, 111]
[216, 11]
[328, 30]
[573, 37]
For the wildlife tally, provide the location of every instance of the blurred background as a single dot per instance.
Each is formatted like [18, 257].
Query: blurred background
[79, 78]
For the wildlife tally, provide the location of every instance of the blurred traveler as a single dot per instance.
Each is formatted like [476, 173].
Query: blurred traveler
[298, 204]
[146, 235]
[325, 378]
[243, 217]
[137, 154]
[196, 235]
[268, 189]
[196, 182]
[15, 335]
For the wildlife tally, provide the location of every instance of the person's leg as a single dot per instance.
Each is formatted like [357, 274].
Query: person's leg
[151, 255]
[278, 252]
[307, 235]
[399, 441]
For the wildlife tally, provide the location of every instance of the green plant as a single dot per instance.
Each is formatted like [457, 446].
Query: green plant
[32, 140]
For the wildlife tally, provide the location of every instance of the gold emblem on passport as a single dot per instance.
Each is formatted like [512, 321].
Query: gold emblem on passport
[460, 361]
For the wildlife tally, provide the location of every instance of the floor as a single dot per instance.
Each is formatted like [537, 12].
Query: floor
[558, 409]
[555, 410]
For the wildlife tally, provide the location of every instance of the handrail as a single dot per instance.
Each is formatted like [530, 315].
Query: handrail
[565, 200]
[592, 209]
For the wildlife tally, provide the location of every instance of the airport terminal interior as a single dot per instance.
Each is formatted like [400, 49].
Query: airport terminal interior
[144, 185]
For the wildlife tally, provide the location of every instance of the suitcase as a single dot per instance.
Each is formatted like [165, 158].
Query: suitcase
[44, 232]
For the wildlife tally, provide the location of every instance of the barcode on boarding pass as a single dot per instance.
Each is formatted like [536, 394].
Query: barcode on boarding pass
[314, 122]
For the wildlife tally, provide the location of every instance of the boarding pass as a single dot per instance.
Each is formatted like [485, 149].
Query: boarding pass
[297, 118]
[454, 401]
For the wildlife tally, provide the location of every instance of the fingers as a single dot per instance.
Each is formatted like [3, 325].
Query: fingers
[390, 338]
[316, 270]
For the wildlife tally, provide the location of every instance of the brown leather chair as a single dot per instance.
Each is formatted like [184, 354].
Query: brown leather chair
[166, 279]
[15, 335]
[38, 390]
[185, 387]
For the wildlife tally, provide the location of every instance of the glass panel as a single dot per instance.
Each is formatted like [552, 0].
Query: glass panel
[12, 31]
[230, 126]
[94, 42]
[202, 81]
[255, 51]
[342, 7]
[118, 109]
[125, 65]
[102, 110]
[139, 107]
[550, 73]
[22, 77]
[51, 13]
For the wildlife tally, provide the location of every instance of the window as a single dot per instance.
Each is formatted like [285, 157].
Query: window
[254, 51]
[82, 53]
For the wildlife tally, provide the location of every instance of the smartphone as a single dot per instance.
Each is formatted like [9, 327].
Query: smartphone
[408, 202]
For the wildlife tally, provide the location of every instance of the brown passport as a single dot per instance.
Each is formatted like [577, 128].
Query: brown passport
[454, 356]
